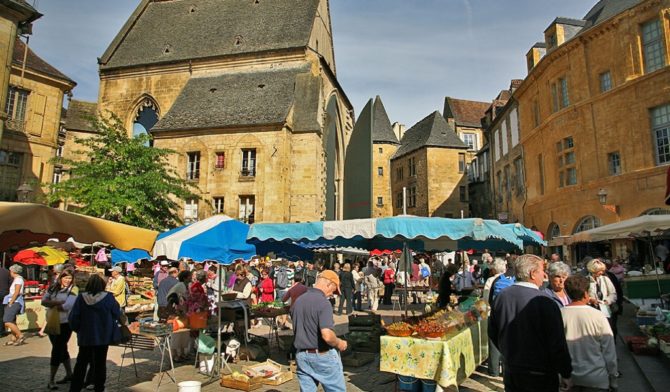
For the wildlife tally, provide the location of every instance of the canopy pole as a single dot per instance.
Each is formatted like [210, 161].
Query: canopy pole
[218, 328]
[653, 258]
[404, 200]
[405, 259]
[4, 255]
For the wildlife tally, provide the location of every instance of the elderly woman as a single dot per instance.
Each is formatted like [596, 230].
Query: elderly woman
[558, 272]
[60, 297]
[14, 305]
[602, 293]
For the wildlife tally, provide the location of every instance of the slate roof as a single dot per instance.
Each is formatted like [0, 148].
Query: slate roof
[382, 131]
[233, 99]
[464, 112]
[35, 63]
[76, 116]
[432, 131]
[606, 9]
[25, 9]
[196, 29]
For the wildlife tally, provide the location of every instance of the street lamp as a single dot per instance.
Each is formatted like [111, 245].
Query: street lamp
[23, 192]
[602, 196]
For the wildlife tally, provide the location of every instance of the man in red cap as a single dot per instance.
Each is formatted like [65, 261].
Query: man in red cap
[315, 342]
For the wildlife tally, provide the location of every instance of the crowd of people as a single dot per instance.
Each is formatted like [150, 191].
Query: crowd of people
[550, 327]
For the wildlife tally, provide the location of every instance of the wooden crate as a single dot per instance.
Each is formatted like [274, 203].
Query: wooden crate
[229, 382]
[280, 375]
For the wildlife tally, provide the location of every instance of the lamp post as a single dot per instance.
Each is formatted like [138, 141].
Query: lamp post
[23, 193]
[602, 196]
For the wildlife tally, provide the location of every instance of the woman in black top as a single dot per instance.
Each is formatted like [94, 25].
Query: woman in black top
[347, 286]
[445, 288]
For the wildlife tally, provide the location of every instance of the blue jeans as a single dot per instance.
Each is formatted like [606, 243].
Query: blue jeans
[325, 369]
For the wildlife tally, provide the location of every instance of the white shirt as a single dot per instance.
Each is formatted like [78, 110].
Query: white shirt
[591, 345]
[18, 280]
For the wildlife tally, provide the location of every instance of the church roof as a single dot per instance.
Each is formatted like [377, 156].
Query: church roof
[181, 30]
[237, 99]
[77, 115]
[382, 131]
[464, 112]
[35, 63]
[432, 131]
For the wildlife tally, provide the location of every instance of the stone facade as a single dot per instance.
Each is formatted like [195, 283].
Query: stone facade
[593, 118]
[298, 157]
[430, 165]
[33, 133]
[15, 16]
[381, 180]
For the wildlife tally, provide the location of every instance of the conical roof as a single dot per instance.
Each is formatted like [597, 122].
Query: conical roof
[432, 131]
[382, 130]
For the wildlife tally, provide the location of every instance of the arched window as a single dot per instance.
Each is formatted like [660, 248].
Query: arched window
[657, 211]
[588, 223]
[554, 231]
[146, 117]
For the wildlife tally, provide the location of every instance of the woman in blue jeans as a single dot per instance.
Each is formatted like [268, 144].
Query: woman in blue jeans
[95, 317]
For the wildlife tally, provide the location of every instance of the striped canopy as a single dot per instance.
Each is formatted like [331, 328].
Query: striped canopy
[422, 233]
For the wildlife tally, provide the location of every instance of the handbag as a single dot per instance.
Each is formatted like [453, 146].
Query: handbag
[53, 322]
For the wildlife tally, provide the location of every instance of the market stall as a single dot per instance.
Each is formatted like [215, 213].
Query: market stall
[444, 347]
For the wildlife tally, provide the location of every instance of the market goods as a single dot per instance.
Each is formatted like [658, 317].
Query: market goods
[240, 376]
[401, 329]
[430, 329]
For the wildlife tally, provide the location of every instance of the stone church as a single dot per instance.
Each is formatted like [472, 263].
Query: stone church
[245, 92]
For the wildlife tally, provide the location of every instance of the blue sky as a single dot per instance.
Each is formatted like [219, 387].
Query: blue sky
[412, 53]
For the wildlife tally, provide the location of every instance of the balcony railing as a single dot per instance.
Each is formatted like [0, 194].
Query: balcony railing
[16, 125]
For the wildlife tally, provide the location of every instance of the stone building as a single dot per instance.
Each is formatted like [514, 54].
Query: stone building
[594, 121]
[430, 164]
[16, 17]
[481, 194]
[246, 94]
[76, 125]
[33, 135]
[384, 144]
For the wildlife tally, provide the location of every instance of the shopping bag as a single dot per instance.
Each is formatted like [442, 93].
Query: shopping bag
[53, 322]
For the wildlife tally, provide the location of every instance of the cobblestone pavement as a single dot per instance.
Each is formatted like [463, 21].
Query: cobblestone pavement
[26, 368]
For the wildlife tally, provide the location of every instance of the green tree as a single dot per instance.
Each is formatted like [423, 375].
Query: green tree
[120, 178]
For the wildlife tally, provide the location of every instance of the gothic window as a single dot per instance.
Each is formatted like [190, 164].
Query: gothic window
[145, 118]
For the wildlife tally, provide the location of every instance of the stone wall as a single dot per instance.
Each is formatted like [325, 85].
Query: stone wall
[600, 123]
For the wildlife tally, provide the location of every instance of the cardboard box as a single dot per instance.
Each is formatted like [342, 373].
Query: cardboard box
[250, 385]
[278, 377]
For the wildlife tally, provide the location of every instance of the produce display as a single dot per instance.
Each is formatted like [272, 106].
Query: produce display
[269, 309]
[440, 324]
[399, 329]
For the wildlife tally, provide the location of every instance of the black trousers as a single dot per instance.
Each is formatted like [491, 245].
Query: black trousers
[388, 292]
[59, 353]
[347, 295]
[358, 301]
[528, 382]
[96, 357]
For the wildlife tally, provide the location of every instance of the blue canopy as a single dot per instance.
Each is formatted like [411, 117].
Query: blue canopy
[219, 238]
[528, 236]
[131, 256]
[222, 239]
[390, 233]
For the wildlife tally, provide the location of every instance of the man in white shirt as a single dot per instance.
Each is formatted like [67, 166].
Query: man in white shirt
[590, 340]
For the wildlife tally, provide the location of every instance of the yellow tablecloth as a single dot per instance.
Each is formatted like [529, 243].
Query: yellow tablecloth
[448, 362]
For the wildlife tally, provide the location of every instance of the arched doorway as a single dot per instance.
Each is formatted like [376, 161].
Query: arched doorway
[146, 116]
[553, 232]
[332, 147]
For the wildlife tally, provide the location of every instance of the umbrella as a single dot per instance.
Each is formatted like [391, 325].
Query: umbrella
[220, 238]
[38, 218]
[131, 256]
[44, 255]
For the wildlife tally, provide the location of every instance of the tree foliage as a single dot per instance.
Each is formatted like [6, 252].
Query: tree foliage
[119, 178]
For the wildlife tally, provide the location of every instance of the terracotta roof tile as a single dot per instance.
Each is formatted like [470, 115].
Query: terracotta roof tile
[464, 112]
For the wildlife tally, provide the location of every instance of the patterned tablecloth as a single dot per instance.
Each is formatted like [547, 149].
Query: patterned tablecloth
[448, 362]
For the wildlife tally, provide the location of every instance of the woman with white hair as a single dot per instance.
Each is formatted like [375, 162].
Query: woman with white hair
[601, 289]
[558, 272]
[14, 305]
